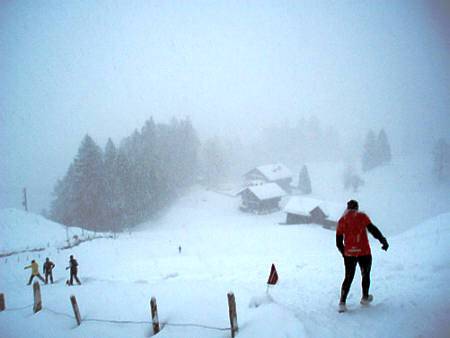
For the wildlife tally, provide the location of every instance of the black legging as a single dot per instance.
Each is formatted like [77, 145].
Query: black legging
[48, 273]
[365, 263]
[38, 276]
[73, 274]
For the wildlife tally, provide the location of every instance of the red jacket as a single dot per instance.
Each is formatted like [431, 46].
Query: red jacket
[353, 226]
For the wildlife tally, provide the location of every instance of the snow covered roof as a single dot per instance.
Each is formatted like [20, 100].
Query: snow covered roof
[304, 205]
[301, 205]
[266, 191]
[274, 172]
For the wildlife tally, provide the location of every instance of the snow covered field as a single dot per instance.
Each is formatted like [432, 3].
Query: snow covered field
[222, 250]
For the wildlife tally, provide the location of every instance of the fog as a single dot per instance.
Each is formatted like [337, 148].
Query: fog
[233, 67]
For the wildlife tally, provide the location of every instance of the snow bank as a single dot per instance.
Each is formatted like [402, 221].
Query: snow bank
[20, 230]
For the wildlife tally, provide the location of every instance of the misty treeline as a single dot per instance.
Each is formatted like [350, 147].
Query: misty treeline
[118, 187]
[295, 144]
[377, 150]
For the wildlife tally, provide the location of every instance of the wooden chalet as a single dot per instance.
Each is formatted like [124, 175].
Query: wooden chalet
[261, 199]
[271, 173]
[304, 210]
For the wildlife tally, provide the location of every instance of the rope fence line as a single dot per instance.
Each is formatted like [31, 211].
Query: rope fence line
[120, 321]
[233, 319]
[113, 321]
[57, 313]
[98, 320]
[116, 321]
[19, 308]
[198, 325]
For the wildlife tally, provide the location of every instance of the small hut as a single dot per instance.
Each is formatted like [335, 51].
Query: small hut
[261, 199]
[303, 210]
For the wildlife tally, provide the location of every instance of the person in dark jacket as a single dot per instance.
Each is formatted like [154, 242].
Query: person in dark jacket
[48, 270]
[353, 244]
[73, 266]
[34, 271]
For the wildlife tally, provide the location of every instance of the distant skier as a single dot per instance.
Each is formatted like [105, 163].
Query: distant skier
[34, 271]
[352, 230]
[73, 266]
[48, 270]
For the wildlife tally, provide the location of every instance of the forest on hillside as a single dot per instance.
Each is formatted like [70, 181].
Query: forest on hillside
[116, 187]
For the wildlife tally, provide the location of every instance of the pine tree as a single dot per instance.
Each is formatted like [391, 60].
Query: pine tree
[304, 182]
[148, 158]
[62, 206]
[79, 196]
[124, 191]
[110, 155]
[189, 145]
[134, 184]
[384, 148]
[112, 213]
[370, 153]
[88, 190]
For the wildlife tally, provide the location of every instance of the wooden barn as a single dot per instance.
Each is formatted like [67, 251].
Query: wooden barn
[304, 210]
[271, 173]
[261, 199]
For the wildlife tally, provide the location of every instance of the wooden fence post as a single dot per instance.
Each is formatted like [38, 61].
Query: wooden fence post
[37, 297]
[2, 302]
[155, 320]
[232, 311]
[76, 311]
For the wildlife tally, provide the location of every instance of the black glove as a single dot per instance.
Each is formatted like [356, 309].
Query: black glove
[385, 244]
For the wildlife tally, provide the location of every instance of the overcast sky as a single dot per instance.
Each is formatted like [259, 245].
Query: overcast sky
[68, 68]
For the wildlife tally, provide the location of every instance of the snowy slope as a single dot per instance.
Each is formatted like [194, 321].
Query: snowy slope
[397, 196]
[20, 230]
[223, 250]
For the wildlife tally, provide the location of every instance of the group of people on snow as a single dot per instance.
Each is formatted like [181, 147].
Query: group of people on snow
[48, 267]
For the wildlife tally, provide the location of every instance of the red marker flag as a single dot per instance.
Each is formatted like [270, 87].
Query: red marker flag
[273, 277]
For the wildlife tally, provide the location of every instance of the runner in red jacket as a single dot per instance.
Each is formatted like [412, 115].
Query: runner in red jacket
[352, 242]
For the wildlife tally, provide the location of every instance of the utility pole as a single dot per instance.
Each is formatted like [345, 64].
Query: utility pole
[25, 203]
